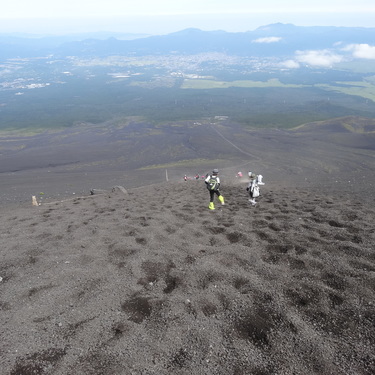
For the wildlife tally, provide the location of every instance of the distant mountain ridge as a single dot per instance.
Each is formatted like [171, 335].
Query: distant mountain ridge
[349, 131]
[347, 124]
[270, 40]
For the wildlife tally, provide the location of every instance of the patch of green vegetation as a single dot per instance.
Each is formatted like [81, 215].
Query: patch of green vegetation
[26, 132]
[184, 163]
[155, 83]
[282, 120]
[364, 89]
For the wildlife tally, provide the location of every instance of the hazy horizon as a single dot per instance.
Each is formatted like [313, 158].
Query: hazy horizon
[165, 16]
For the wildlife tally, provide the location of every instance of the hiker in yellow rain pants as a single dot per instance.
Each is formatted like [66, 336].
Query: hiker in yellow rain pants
[213, 184]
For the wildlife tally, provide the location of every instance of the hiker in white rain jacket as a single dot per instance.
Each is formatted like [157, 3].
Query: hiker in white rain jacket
[253, 188]
[213, 184]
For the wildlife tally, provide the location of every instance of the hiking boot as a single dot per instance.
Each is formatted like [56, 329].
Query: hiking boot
[211, 206]
[221, 199]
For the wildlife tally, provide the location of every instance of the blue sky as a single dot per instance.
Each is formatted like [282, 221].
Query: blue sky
[165, 16]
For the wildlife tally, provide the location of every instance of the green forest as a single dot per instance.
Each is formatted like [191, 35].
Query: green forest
[96, 94]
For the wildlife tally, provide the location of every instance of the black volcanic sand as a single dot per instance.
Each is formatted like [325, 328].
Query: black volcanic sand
[152, 282]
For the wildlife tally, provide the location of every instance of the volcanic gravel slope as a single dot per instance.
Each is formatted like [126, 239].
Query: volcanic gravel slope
[149, 281]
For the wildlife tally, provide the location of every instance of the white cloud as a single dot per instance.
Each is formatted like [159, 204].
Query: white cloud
[362, 51]
[270, 39]
[290, 64]
[323, 58]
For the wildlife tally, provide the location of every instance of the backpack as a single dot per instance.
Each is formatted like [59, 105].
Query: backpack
[212, 183]
[254, 189]
[255, 192]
